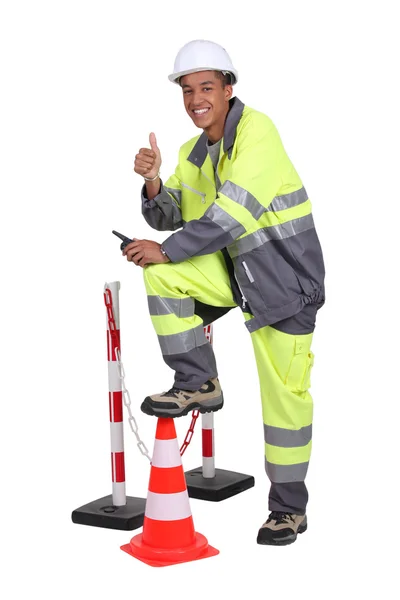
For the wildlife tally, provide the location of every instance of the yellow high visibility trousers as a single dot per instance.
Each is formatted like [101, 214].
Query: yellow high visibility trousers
[284, 363]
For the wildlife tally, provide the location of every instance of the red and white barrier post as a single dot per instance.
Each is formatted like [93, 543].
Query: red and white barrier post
[207, 423]
[116, 511]
[207, 482]
[111, 295]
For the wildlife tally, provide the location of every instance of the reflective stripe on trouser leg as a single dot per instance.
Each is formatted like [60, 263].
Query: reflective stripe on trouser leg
[171, 290]
[284, 363]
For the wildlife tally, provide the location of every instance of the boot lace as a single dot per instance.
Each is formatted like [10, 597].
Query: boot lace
[280, 517]
[172, 392]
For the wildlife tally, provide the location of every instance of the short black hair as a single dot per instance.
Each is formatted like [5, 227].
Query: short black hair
[226, 78]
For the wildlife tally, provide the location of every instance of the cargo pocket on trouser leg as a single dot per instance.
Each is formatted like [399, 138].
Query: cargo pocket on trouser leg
[307, 378]
[284, 362]
[298, 377]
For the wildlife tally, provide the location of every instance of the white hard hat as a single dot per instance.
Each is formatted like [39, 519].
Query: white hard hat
[202, 55]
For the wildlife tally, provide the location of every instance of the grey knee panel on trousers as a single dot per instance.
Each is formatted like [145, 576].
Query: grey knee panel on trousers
[209, 313]
[301, 323]
[193, 368]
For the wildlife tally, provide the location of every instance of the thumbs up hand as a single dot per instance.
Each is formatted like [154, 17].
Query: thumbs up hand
[148, 162]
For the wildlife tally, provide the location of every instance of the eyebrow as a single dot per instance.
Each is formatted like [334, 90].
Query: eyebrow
[203, 83]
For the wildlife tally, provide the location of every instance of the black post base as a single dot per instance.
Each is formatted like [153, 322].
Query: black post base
[102, 513]
[224, 485]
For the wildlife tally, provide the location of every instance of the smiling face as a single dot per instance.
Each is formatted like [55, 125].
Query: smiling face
[206, 98]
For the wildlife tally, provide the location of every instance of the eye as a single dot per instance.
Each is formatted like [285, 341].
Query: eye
[207, 89]
[186, 92]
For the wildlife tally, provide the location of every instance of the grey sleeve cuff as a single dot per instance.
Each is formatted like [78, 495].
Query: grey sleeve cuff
[152, 203]
[161, 212]
[173, 250]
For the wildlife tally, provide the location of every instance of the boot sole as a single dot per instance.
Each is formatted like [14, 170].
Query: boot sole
[290, 539]
[213, 405]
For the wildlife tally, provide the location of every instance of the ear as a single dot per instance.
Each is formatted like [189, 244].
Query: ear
[228, 91]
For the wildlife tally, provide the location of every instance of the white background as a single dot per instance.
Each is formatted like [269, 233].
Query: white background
[82, 86]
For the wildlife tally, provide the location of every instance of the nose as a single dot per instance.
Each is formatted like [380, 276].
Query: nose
[198, 99]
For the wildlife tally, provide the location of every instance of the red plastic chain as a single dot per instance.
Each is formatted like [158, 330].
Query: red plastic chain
[113, 332]
[189, 435]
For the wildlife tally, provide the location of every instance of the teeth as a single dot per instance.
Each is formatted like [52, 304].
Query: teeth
[201, 112]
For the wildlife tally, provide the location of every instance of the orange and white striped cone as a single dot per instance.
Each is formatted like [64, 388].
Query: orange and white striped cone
[168, 535]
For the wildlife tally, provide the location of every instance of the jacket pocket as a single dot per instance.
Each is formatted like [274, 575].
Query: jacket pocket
[267, 280]
[251, 295]
[201, 195]
[194, 203]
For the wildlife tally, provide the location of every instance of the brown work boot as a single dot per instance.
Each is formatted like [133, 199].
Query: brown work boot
[177, 403]
[281, 529]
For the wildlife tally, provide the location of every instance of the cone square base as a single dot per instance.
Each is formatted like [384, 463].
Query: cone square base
[102, 513]
[224, 485]
[206, 553]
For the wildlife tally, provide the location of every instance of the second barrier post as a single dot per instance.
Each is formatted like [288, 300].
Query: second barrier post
[207, 482]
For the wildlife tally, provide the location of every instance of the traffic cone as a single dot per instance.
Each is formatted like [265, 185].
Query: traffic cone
[168, 535]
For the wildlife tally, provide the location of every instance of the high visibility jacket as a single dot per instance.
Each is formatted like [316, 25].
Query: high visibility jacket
[260, 216]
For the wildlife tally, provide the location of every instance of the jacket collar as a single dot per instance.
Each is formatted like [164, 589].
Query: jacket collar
[199, 153]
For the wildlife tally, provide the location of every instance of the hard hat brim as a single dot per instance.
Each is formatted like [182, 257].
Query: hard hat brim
[174, 77]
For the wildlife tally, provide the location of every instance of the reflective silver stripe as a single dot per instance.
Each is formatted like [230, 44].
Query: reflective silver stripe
[288, 200]
[243, 197]
[248, 272]
[287, 438]
[286, 473]
[275, 232]
[179, 343]
[224, 220]
[181, 307]
[177, 194]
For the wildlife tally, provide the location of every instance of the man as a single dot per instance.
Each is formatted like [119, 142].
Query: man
[245, 237]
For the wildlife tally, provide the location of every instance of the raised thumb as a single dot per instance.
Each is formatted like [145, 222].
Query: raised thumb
[153, 142]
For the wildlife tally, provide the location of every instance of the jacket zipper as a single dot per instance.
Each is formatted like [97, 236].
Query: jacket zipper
[208, 179]
[203, 196]
[244, 299]
[250, 278]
